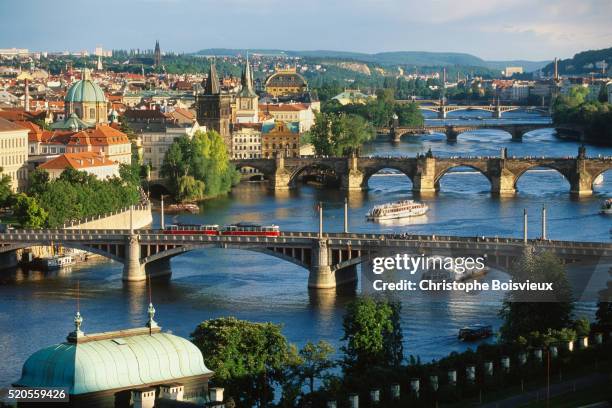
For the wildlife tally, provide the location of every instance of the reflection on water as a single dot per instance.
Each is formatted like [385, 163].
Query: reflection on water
[36, 308]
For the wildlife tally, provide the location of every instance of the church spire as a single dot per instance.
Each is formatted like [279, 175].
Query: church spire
[247, 80]
[212, 85]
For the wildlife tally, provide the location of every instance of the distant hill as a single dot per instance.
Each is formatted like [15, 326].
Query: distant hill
[584, 62]
[414, 58]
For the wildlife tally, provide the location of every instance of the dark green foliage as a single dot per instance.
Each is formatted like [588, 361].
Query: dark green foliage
[379, 112]
[525, 312]
[247, 358]
[339, 134]
[76, 195]
[198, 168]
[373, 334]
[594, 116]
[29, 212]
[5, 189]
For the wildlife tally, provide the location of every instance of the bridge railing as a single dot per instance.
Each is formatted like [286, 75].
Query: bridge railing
[137, 207]
[149, 235]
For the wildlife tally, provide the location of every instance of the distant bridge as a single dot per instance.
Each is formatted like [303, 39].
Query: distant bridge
[331, 258]
[496, 110]
[425, 171]
[517, 131]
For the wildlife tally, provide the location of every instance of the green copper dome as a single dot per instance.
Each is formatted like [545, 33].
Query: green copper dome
[125, 359]
[85, 90]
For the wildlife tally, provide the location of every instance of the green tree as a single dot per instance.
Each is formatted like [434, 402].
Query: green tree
[203, 158]
[603, 93]
[28, 212]
[315, 361]
[248, 358]
[410, 115]
[524, 312]
[603, 316]
[339, 134]
[190, 189]
[6, 191]
[38, 181]
[373, 335]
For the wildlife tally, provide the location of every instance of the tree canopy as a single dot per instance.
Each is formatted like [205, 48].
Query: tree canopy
[339, 134]
[198, 168]
[75, 195]
[247, 357]
[524, 312]
[373, 334]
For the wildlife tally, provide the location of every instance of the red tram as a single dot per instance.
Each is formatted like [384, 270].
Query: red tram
[239, 229]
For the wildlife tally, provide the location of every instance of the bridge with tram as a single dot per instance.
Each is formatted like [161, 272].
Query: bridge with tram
[330, 258]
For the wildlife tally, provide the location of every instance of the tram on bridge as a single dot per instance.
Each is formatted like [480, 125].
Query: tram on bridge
[239, 229]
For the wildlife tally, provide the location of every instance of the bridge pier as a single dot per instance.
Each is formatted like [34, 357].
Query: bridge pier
[497, 113]
[441, 113]
[353, 179]
[133, 271]
[281, 179]
[321, 275]
[581, 182]
[451, 134]
[424, 181]
[517, 134]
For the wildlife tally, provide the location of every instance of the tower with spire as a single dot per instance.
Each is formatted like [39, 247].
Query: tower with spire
[214, 107]
[157, 54]
[247, 108]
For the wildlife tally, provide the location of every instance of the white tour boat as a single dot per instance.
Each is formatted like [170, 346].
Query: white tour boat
[397, 209]
[606, 207]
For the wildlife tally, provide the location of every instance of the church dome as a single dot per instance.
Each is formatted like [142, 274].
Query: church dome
[114, 360]
[286, 78]
[85, 90]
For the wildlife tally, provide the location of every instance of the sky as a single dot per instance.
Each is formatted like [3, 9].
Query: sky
[490, 29]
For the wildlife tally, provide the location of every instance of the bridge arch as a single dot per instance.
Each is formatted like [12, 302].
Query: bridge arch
[370, 171]
[172, 252]
[545, 166]
[261, 169]
[117, 257]
[444, 171]
[606, 174]
[310, 166]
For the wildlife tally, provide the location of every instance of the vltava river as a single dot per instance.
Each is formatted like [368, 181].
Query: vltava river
[36, 310]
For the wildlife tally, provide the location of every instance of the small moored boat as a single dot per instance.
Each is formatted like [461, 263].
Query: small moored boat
[397, 209]
[53, 262]
[475, 332]
[175, 208]
[606, 207]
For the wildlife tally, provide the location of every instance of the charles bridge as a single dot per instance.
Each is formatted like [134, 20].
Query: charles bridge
[330, 258]
[425, 171]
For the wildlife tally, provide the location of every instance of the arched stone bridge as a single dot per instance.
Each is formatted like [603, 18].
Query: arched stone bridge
[331, 258]
[496, 110]
[453, 131]
[425, 171]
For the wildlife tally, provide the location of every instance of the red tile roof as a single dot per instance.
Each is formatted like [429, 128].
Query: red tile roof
[8, 126]
[77, 161]
[102, 135]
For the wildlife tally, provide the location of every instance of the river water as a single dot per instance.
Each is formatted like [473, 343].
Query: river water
[36, 309]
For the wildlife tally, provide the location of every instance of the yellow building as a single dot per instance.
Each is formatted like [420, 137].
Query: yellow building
[282, 138]
[14, 153]
[286, 82]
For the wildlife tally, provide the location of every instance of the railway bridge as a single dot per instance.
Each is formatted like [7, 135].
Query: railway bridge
[331, 258]
[425, 171]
